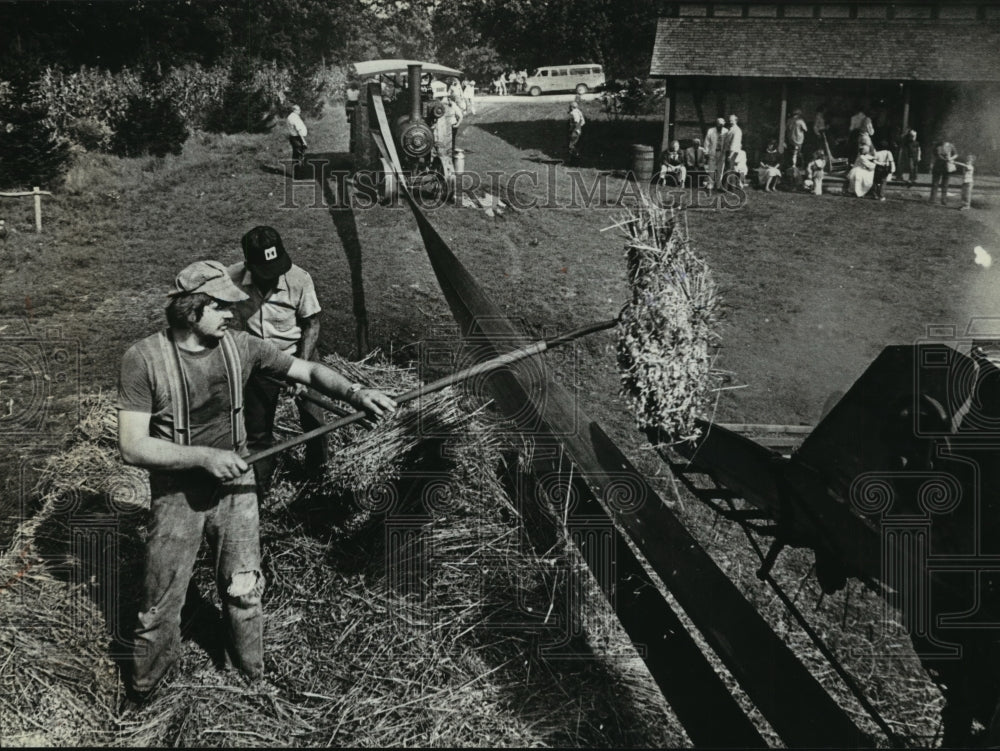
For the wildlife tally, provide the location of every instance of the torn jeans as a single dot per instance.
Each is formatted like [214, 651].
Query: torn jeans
[186, 506]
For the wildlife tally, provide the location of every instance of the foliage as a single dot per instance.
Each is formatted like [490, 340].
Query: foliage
[98, 97]
[152, 125]
[307, 87]
[32, 152]
[196, 90]
[633, 98]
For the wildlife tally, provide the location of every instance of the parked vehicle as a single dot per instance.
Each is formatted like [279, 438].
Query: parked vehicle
[579, 77]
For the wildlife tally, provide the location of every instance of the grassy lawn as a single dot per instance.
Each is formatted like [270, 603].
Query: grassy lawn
[814, 287]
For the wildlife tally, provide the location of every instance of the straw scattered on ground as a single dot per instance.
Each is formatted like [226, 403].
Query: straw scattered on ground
[415, 615]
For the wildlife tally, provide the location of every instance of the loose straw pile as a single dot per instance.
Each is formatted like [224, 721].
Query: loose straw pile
[668, 331]
[426, 625]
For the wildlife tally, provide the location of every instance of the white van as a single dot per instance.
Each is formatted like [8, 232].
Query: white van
[579, 77]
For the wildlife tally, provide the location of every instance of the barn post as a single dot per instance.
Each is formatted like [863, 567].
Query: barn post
[906, 107]
[667, 130]
[783, 116]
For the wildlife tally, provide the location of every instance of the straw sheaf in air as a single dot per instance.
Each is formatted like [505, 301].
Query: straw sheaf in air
[669, 330]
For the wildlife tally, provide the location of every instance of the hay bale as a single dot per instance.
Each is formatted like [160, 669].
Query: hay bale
[668, 332]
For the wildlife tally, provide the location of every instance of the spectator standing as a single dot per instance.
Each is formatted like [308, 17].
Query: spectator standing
[353, 94]
[522, 80]
[944, 164]
[673, 165]
[281, 307]
[734, 141]
[885, 165]
[909, 155]
[501, 84]
[858, 125]
[795, 133]
[769, 173]
[576, 123]
[455, 94]
[715, 145]
[739, 167]
[968, 170]
[511, 82]
[297, 133]
[456, 117]
[815, 172]
[469, 94]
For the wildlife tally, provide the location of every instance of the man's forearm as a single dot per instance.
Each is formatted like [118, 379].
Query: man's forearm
[310, 336]
[157, 453]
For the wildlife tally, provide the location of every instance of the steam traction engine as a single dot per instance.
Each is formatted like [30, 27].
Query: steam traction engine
[402, 130]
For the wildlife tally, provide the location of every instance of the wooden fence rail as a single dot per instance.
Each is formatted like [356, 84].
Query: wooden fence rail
[37, 193]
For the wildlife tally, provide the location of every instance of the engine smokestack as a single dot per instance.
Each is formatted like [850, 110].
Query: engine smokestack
[413, 79]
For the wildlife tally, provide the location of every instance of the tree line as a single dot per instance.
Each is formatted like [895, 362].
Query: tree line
[480, 36]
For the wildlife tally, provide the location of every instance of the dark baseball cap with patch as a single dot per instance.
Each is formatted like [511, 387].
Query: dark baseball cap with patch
[265, 253]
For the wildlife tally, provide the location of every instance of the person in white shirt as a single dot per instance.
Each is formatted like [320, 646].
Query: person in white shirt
[715, 146]
[968, 171]
[297, 133]
[576, 123]
[885, 165]
[353, 95]
[469, 93]
[734, 142]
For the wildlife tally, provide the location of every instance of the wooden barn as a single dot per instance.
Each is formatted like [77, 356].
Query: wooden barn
[933, 66]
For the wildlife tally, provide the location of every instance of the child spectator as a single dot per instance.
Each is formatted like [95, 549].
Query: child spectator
[885, 165]
[969, 167]
[815, 172]
[768, 173]
[740, 167]
[909, 155]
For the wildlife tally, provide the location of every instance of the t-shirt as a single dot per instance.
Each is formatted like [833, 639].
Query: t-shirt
[967, 176]
[143, 386]
[276, 316]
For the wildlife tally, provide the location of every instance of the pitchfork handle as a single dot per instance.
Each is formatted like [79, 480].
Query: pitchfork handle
[495, 363]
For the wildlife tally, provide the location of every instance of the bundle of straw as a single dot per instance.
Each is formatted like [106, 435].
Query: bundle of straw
[668, 332]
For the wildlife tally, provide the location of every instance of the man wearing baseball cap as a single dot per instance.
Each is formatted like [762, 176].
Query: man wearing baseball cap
[180, 401]
[280, 307]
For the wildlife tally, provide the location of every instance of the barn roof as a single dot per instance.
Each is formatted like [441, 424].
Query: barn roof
[903, 50]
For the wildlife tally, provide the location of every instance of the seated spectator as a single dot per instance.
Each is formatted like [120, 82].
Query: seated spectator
[815, 172]
[695, 157]
[862, 174]
[673, 166]
[768, 172]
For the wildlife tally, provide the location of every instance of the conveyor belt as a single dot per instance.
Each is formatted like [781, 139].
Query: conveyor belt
[789, 697]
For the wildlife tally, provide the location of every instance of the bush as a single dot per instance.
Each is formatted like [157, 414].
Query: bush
[307, 87]
[250, 100]
[197, 91]
[90, 133]
[152, 125]
[89, 95]
[32, 152]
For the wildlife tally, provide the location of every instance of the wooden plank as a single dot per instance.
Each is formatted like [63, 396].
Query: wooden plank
[791, 699]
[701, 700]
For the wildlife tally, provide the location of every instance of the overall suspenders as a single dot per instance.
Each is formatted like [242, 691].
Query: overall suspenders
[180, 403]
